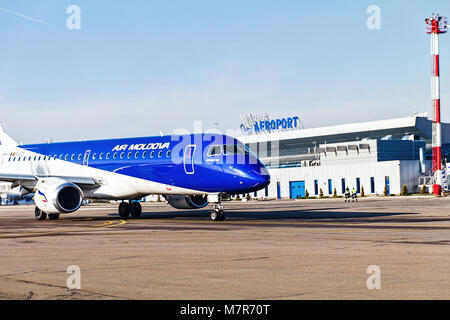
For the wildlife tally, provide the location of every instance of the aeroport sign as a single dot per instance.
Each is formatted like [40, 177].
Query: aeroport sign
[254, 124]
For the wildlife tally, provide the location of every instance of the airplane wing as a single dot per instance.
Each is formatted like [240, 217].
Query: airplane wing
[17, 177]
[21, 178]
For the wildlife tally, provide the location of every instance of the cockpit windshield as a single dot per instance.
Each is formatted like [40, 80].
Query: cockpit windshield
[231, 149]
[239, 149]
[215, 151]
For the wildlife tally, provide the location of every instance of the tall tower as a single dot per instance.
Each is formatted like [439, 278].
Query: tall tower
[435, 26]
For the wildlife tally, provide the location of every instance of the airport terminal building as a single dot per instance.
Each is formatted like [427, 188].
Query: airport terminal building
[369, 156]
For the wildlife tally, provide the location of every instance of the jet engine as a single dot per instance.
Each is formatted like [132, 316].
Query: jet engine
[55, 197]
[187, 202]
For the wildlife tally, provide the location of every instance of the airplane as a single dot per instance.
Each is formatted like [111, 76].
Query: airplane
[190, 171]
[15, 197]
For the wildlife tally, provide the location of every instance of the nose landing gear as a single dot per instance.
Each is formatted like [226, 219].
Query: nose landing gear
[218, 214]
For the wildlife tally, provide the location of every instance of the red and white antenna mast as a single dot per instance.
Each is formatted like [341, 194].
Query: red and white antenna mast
[435, 26]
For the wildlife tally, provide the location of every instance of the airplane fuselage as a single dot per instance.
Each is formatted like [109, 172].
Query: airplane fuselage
[124, 169]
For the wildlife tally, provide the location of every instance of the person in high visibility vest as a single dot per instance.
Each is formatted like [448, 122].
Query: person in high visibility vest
[354, 195]
[347, 195]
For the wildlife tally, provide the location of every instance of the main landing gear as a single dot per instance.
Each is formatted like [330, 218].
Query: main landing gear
[218, 214]
[41, 215]
[133, 209]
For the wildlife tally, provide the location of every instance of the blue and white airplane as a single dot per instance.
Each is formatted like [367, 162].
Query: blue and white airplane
[190, 171]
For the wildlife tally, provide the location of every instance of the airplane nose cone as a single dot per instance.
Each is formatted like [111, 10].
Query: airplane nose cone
[247, 178]
[265, 179]
[261, 178]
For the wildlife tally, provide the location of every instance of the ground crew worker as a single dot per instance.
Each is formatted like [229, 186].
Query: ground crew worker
[347, 195]
[354, 195]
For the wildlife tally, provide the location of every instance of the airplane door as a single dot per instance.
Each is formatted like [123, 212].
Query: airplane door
[5, 157]
[87, 154]
[189, 159]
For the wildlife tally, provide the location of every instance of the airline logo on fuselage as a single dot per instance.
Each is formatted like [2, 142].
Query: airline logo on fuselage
[142, 147]
[43, 197]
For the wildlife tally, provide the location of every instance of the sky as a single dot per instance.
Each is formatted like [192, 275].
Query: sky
[141, 67]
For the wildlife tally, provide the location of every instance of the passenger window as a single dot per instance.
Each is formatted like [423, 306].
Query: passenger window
[160, 154]
[101, 156]
[107, 156]
[60, 157]
[66, 157]
[73, 157]
[115, 155]
[79, 157]
[129, 155]
[168, 153]
[136, 155]
[152, 154]
[144, 155]
[122, 155]
[94, 156]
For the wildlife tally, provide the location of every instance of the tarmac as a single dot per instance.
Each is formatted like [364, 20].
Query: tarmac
[265, 250]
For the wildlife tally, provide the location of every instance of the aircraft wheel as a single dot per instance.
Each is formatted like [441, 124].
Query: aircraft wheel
[124, 210]
[217, 215]
[136, 209]
[214, 216]
[39, 214]
[53, 216]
